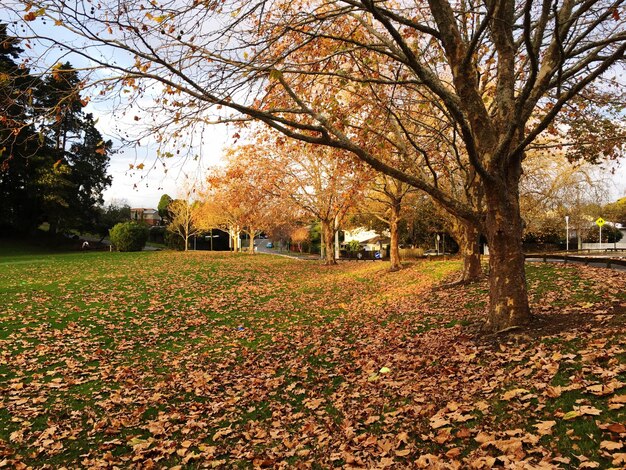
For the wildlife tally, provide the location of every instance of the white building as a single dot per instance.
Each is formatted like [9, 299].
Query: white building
[368, 239]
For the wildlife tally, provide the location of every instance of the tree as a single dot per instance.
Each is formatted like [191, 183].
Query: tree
[384, 201]
[323, 182]
[616, 211]
[300, 235]
[182, 221]
[114, 213]
[53, 160]
[60, 98]
[21, 149]
[80, 149]
[500, 73]
[163, 207]
[89, 162]
[129, 236]
[551, 189]
[610, 234]
[236, 192]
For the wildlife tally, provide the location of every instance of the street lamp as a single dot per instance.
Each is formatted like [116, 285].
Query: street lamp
[567, 233]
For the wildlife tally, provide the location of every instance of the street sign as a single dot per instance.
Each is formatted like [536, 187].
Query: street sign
[600, 222]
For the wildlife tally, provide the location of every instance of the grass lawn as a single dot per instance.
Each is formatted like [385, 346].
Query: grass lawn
[164, 359]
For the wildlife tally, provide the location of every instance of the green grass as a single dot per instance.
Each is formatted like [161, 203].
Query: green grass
[129, 356]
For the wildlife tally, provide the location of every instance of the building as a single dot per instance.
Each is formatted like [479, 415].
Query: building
[368, 239]
[148, 216]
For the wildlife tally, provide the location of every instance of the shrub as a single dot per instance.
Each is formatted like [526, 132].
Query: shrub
[174, 241]
[610, 234]
[353, 246]
[157, 234]
[129, 236]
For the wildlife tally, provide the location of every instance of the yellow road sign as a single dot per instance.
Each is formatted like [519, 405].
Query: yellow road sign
[600, 222]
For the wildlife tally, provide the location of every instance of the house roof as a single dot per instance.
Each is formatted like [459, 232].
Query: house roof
[376, 239]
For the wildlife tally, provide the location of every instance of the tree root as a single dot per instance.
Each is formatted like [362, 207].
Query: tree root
[507, 329]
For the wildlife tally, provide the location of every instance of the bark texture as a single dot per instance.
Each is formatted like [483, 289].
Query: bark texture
[467, 234]
[251, 247]
[394, 250]
[329, 240]
[508, 293]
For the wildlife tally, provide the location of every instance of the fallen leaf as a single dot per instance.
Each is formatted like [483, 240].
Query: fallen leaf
[436, 422]
[221, 433]
[513, 393]
[544, 428]
[588, 410]
[611, 445]
[571, 415]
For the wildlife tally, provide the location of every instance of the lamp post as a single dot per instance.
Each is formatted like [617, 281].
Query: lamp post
[567, 233]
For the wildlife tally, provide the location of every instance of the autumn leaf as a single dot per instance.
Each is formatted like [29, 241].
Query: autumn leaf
[436, 422]
[611, 445]
[221, 433]
[178, 368]
[509, 395]
[616, 428]
[587, 410]
[545, 427]
[571, 415]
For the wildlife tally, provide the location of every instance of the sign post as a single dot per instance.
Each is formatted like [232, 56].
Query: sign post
[600, 222]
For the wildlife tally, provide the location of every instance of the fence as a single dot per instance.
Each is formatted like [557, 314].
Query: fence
[411, 253]
[363, 255]
[605, 262]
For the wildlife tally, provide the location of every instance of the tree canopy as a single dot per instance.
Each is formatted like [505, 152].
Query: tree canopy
[53, 160]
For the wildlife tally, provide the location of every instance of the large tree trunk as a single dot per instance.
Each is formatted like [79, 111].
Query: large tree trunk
[467, 235]
[394, 251]
[329, 239]
[251, 247]
[508, 295]
[235, 239]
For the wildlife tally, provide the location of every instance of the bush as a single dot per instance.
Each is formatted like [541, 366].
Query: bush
[174, 241]
[610, 234]
[157, 234]
[353, 246]
[129, 236]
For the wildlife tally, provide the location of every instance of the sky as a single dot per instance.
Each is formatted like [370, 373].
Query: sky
[617, 186]
[144, 188]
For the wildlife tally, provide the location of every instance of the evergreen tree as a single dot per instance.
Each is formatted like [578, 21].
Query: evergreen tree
[53, 160]
[22, 149]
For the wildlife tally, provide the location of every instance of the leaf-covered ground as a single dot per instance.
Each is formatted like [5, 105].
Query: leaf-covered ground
[155, 360]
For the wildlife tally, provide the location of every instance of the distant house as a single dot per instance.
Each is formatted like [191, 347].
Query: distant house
[368, 239]
[149, 216]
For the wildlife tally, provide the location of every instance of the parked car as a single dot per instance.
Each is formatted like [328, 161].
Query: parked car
[269, 245]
